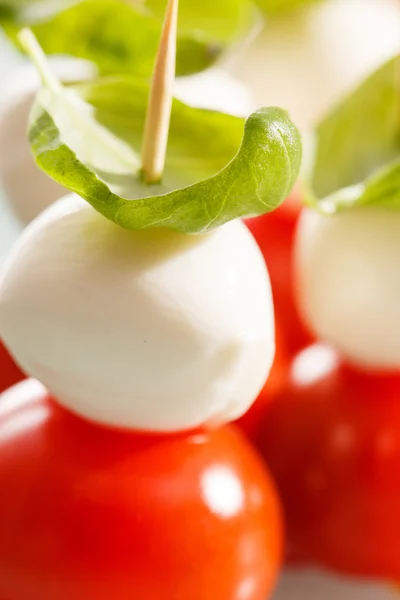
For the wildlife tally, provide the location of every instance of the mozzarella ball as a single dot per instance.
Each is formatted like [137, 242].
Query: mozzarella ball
[348, 281]
[307, 59]
[28, 189]
[152, 330]
[215, 89]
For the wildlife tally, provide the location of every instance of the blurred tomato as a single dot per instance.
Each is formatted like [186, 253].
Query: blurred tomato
[332, 441]
[9, 372]
[274, 233]
[92, 513]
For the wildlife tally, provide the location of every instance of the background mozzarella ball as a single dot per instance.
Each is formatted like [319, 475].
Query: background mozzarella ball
[152, 330]
[305, 60]
[27, 188]
[348, 280]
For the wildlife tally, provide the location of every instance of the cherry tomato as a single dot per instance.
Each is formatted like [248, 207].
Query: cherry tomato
[332, 441]
[274, 233]
[92, 513]
[9, 372]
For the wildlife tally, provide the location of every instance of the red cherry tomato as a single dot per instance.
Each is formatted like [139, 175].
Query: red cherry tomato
[9, 372]
[88, 513]
[332, 441]
[274, 233]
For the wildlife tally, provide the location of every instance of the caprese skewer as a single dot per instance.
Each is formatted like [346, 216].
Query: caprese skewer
[143, 306]
[331, 437]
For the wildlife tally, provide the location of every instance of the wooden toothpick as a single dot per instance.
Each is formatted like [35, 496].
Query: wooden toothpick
[160, 103]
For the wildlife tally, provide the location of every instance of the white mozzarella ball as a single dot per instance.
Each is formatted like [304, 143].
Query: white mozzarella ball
[28, 189]
[348, 279]
[151, 330]
[306, 60]
[215, 89]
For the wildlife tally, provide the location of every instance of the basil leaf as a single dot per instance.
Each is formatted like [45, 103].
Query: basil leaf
[220, 19]
[356, 149]
[276, 7]
[90, 144]
[22, 12]
[123, 37]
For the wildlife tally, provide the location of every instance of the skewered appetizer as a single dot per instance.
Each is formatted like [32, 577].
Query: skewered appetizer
[143, 306]
[331, 437]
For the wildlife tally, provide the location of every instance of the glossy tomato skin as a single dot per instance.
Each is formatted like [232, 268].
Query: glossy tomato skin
[275, 232]
[10, 374]
[92, 513]
[332, 441]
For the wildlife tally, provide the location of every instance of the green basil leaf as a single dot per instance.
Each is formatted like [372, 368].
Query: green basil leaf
[356, 149]
[276, 7]
[221, 20]
[23, 12]
[123, 37]
[90, 143]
